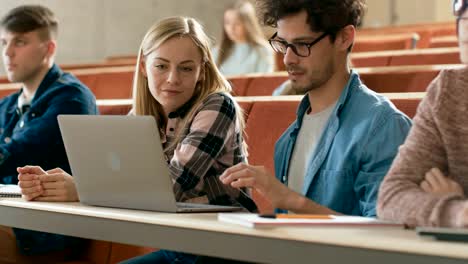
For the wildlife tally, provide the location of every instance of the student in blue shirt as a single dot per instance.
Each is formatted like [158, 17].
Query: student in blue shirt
[29, 131]
[332, 159]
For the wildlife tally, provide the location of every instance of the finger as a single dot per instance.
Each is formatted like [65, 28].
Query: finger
[433, 180]
[437, 172]
[56, 170]
[425, 186]
[28, 184]
[32, 192]
[229, 178]
[27, 177]
[31, 170]
[49, 199]
[51, 177]
[31, 196]
[53, 185]
[244, 182]
[440, 178]
[233, 169]
[53, 192]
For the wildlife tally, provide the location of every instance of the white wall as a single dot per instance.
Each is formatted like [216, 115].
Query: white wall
[91, 30]
[407, 12]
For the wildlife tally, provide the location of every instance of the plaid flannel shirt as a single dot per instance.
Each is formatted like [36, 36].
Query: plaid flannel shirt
[212, 142]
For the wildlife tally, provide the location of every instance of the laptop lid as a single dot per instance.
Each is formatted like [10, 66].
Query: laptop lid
[118, 161]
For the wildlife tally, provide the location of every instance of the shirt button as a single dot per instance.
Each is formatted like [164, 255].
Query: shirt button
[33, 114]
[171, 129]
[22, 123]
[284, 178]
[7, 140]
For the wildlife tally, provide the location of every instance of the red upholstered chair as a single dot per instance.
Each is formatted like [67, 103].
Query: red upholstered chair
[108, 83]
[114, 107]
[265, 85]
[408, 106]
[370, 59]
[426, 57]
[239, 84]
[246, 106]
[385, 42]
[443, 41]
[266, 123]
[399, 82]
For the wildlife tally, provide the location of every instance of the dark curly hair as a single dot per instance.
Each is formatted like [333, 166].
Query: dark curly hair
[322, 15]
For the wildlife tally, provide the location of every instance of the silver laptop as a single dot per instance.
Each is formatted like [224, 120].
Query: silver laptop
[118, 161]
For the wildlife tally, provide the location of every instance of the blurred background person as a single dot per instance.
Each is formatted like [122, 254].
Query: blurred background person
[243, 47]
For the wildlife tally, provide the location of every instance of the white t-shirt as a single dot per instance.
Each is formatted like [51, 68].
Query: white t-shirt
[307, 139]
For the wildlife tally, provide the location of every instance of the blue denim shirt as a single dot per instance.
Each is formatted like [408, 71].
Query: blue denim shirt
[33, 138]
[354, 153]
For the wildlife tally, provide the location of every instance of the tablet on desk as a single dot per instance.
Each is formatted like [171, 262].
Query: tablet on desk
[444, 233]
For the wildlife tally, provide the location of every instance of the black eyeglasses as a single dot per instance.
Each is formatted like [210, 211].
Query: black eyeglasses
[459, 7]
[301, 49]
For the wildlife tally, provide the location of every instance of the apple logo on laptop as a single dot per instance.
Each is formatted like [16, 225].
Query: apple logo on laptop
[114, 161]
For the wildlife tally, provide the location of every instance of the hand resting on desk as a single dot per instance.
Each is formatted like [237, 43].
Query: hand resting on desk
[52, 186]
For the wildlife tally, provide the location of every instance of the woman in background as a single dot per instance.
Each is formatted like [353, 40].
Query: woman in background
[243, 48]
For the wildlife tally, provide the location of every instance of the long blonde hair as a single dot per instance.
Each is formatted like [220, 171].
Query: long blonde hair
[211, 82]
[254, 35]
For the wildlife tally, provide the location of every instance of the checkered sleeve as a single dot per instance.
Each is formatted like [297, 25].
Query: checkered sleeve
[206, 151]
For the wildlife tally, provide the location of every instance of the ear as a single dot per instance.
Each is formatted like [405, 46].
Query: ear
[345, 37]
[142, 67]
[51, 48]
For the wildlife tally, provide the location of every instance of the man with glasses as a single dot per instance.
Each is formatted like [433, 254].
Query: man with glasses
[427, 183]
[332, 159]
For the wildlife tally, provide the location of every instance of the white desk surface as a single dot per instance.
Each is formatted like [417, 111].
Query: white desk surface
[203, 234]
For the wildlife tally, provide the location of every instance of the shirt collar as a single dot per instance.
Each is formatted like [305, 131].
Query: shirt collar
[52, 75]
[182, 111]
[305, 103]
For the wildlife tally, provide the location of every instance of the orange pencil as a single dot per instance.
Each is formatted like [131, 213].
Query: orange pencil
[296, 216]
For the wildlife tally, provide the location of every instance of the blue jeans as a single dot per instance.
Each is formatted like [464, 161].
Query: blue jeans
[163, 257]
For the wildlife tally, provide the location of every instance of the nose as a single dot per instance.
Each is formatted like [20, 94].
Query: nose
[173, 77]
[8, 50]
[290, 57]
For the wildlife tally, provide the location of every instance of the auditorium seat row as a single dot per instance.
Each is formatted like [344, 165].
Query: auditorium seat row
[116, 82]
[395, 79]
[426, 31]
[407, 57]
[105, 83]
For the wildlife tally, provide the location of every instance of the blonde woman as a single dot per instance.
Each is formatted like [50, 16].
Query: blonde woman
[243, 48]
[200, 124]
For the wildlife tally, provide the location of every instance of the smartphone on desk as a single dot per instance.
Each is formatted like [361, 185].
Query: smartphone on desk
[444, 233]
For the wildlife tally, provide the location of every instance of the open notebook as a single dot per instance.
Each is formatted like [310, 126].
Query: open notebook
[10, 190]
